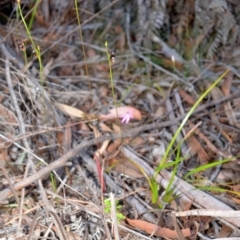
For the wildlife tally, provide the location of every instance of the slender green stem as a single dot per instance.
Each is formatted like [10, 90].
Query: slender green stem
[83, 48]
[33, 14]
[36, 49]
[111, 76]
[25, 57]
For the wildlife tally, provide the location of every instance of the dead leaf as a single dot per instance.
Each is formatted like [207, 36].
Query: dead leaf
[7, 115]
[71, 111]
[125, 167]
[1, 97]
[226, 87]
[225, 231]
[196, 148]
[186, 97]
[227, 83]
[51, 36]
[96, 64]
[236, 188]
[84, 128]
[67, 137]
[91, 53]
[41, 20]
[160, 111]
[47, 67]
[230, 114]
[4, 155]
[116, 128]
[114, 146]
[137, 141]
[156, 230]
[121, 39]
[210, 144]
[103, 92]
[104, 127]
[60, 141]
[168, 63]
[236, 200]
[216, 92]
[95, 130]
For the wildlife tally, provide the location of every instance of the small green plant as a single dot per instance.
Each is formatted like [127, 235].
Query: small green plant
[163, 164]
[155, 186]
[107, 209]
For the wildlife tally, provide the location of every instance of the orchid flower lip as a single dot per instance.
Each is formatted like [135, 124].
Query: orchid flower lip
[126, 117]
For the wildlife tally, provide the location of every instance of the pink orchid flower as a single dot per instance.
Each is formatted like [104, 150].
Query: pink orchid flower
[126, 113]
[126, 117]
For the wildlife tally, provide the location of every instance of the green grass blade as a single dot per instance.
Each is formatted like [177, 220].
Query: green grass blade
[205, 166]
